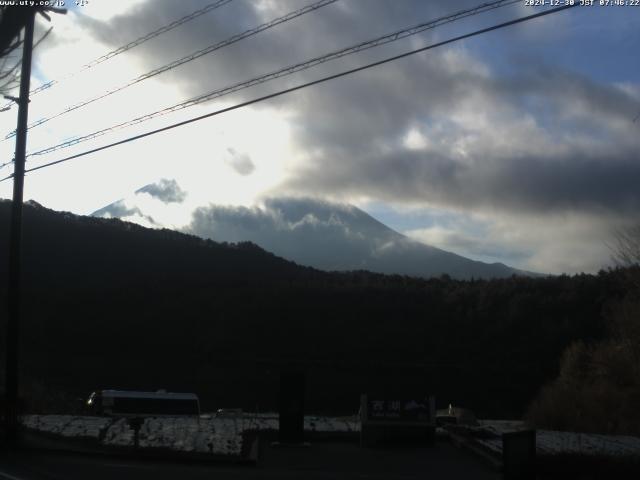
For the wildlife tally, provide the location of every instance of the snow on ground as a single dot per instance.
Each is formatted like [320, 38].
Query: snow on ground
[221, 436]
[492, 444]
[503, 426]
[260, 421]
[207, 434]
[67, 425]
[550, 442]
[332, 424]
[312, 423]
[554, 443]
[119, 434]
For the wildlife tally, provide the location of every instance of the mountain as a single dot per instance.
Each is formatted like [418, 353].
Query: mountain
[323, 235]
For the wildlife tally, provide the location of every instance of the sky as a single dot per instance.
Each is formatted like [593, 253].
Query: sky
[518, 146]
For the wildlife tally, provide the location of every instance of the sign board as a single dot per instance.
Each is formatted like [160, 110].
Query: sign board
[377, 410]
[397, 420]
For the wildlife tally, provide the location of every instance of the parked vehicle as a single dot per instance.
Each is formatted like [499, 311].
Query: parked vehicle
[124, 403]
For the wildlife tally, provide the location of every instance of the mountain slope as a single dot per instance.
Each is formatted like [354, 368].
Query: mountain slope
[85, 253]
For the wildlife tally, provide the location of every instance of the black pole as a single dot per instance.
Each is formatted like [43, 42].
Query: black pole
[15, 240]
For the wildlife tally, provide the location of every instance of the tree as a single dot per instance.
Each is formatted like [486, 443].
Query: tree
[627, 246]
[626, 253]
[598, 388]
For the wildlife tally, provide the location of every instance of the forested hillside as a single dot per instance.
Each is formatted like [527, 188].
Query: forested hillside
[112, 304]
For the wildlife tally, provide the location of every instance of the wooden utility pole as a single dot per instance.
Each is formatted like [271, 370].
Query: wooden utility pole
[15, 240]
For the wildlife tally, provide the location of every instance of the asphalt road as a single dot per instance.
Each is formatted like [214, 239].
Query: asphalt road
[318, 461]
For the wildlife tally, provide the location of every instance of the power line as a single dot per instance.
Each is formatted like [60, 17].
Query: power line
[289, 70]
[2, 165]
[132, 44]
[305, 85]
[170, 66]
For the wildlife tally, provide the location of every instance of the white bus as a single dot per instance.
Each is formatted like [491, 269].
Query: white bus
[125, 403]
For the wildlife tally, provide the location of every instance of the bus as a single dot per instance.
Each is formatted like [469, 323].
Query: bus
[126, 403]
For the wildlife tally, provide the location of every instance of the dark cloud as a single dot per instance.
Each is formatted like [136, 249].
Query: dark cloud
[577, 181]
[533, 148]
[167, 191]
[329, 28]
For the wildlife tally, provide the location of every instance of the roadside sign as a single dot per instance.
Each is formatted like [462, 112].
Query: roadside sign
[399, 410]
[395, 420]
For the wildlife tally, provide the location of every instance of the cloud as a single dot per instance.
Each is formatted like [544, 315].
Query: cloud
[121, 210]
[316, 33]
[441, 128]
[310, 232]
[332, 236]
[534, 141]
[240, 162]
[574, 148]
[553, 242]
[117, 209]
[168, 191]
[576, 181]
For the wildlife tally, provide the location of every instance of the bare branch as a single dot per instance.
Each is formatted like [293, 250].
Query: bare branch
[626, 250]
[4, 73]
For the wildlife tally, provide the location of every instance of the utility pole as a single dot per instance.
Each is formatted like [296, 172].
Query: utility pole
[15, 240]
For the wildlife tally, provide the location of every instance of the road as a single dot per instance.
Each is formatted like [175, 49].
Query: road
[318, 461]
